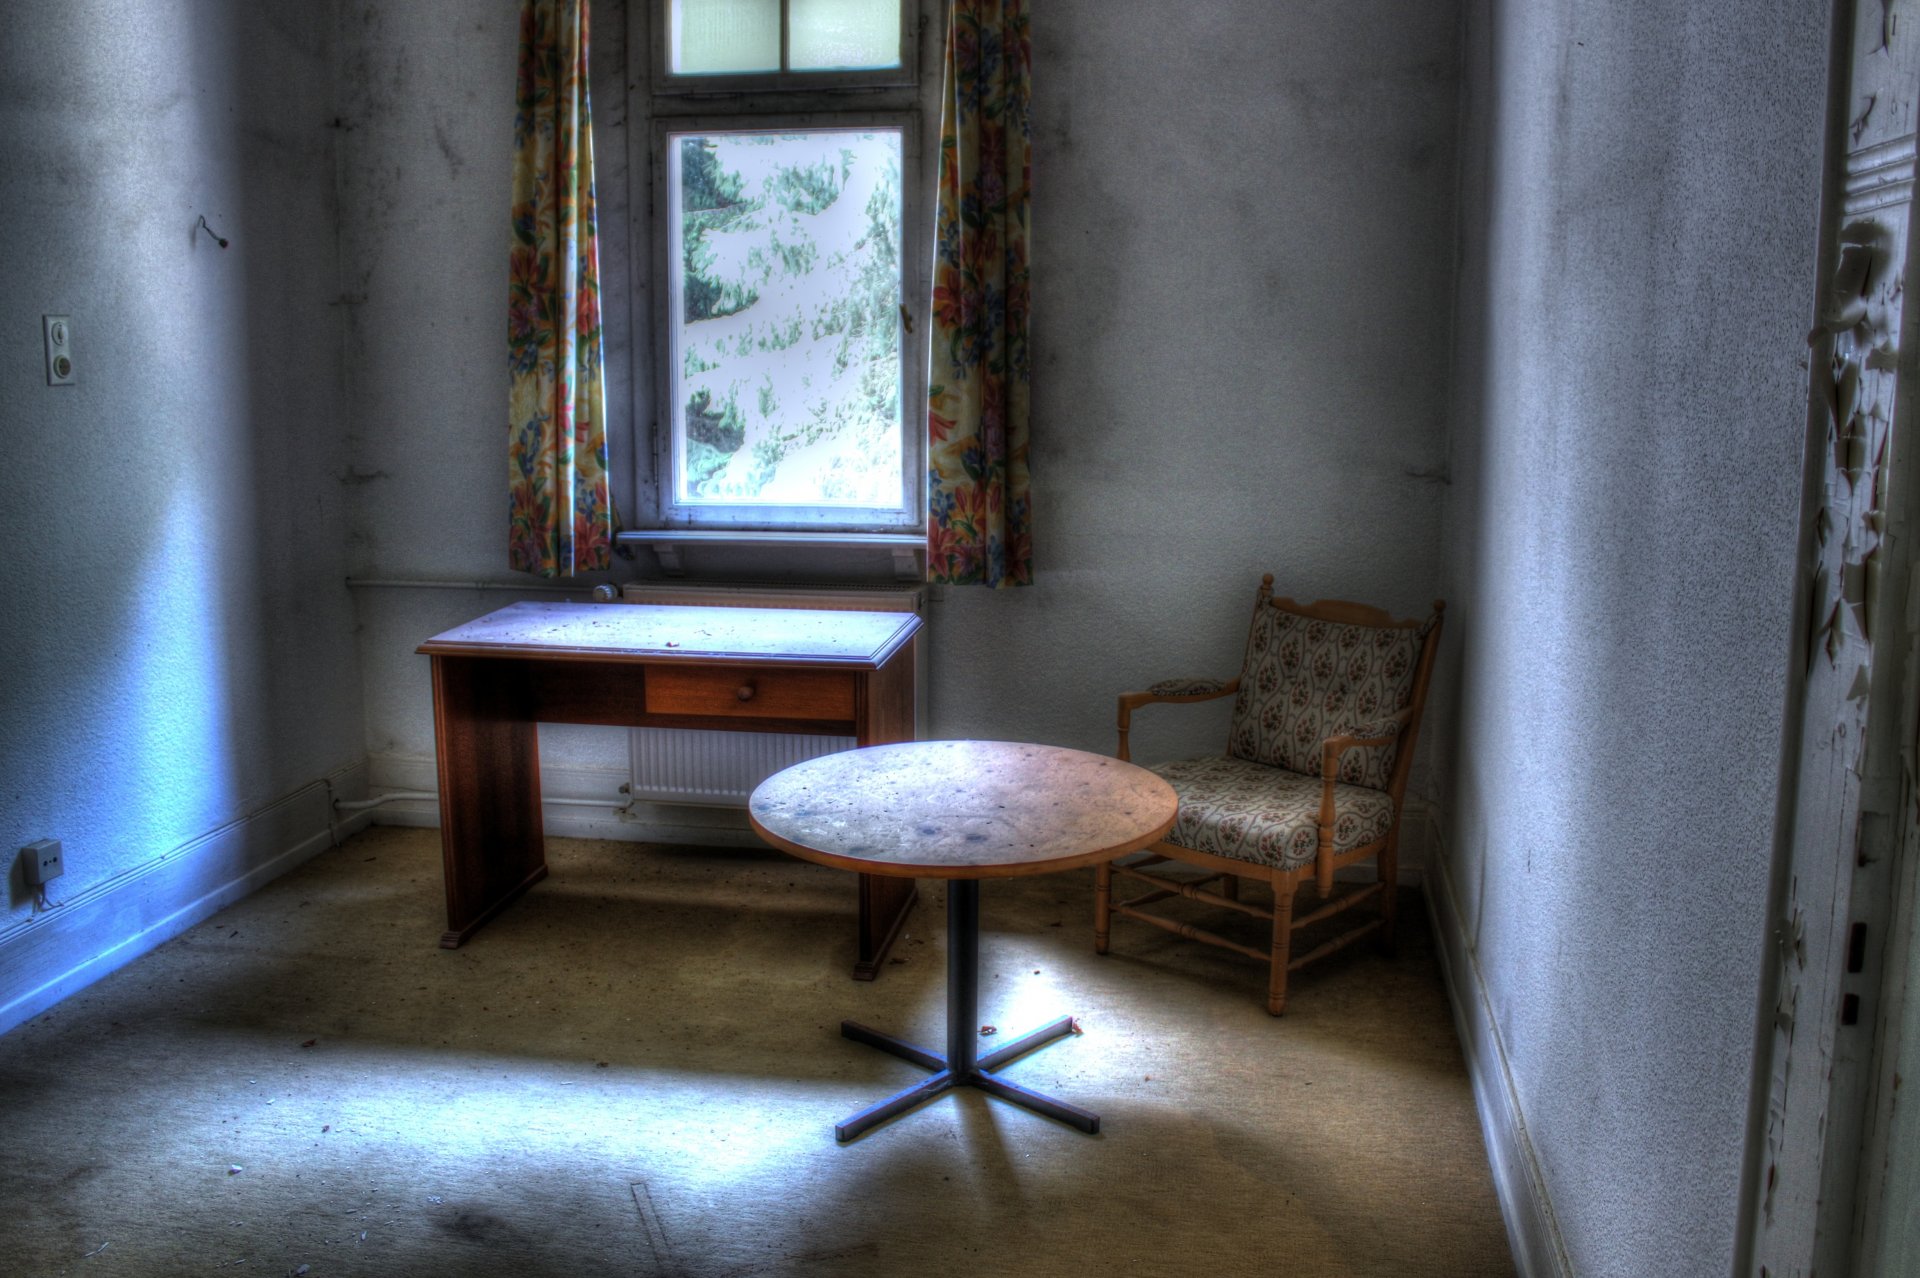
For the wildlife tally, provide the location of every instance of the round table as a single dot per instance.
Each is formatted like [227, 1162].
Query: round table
[962, 811]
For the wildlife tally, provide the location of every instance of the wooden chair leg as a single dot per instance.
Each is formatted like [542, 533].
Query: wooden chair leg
[1283, 887]
[1389, 870]
[1102, 904]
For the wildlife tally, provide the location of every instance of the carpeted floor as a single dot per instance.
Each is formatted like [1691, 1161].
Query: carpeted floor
[635, 1070]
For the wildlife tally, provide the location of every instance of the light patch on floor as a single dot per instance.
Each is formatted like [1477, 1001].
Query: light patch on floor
[636, 1069]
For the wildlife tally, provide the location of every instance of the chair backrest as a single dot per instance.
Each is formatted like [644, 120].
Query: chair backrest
[1319, 670]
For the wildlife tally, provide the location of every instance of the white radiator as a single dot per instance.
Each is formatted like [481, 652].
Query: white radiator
[719, 768]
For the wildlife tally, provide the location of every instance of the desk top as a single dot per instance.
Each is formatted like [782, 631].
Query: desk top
[654, 633]
[962, 809]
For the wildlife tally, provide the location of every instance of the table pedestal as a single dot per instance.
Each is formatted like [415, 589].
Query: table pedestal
[962, 1065]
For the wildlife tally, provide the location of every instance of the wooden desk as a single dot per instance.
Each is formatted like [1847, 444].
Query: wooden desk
[962, 811]
[634, 665]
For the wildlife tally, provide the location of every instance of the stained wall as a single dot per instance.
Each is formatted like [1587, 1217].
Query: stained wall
[177, 663]
[1639, 195]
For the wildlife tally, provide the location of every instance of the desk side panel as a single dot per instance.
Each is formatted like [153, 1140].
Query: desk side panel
[884, 703]
[487, 748]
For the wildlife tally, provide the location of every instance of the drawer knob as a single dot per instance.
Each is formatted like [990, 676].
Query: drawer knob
[744, 692]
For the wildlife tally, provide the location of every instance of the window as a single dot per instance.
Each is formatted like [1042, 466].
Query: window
[784, 309]
[709, 45]
[786, 220]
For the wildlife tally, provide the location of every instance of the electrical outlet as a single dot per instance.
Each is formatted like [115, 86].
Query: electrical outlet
[43, 862]
[59, 335]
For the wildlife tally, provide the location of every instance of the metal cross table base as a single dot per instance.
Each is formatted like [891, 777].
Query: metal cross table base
[962, 1065]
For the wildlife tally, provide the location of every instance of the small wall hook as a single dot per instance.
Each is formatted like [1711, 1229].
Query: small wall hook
[217, 239]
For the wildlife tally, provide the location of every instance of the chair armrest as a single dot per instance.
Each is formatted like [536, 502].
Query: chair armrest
[1377, 733]
[1192, 689]
[1175, 691]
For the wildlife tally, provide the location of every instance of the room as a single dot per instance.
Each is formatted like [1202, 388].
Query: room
[1500, 303]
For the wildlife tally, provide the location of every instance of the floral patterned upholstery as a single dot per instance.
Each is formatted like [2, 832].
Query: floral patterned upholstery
[1306, 680]
[1186, 687]
[1252, 812]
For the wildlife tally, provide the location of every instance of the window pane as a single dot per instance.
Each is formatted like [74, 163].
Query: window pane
[844, 35]
[717, 36]
[785, 310]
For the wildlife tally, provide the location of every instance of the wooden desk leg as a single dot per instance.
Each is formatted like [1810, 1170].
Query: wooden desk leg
[885, 902]
[489, 759]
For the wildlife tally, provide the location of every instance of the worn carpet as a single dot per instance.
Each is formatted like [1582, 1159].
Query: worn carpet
[636, 1069]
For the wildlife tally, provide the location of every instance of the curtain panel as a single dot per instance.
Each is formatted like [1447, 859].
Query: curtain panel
[979, 515]
[561, 510]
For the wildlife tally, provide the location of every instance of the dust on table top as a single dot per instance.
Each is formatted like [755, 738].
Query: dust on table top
[962, 809]
[639, 632]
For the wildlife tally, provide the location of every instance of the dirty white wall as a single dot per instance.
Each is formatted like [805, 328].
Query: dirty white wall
[426, 101]
[1243, 235]
[177, 665]
[1640, 187]
[1243, 240]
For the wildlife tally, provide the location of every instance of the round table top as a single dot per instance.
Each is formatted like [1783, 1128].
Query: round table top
[962, 809]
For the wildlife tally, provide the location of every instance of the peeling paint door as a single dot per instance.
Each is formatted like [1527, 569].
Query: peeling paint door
[1887, 1240]
[1850, 824]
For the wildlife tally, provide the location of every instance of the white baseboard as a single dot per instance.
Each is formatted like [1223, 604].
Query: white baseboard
[1532, 1231]
[110, 924]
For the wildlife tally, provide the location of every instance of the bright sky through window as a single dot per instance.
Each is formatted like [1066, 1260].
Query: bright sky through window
[785, 310]
[733, 37]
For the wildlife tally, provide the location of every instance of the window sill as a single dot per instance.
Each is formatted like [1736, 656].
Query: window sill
[667, 543]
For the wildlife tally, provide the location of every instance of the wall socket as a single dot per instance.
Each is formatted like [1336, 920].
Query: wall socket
[42, 859]
[59, 335]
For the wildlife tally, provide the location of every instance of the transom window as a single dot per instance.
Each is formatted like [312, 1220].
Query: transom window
[783, 44]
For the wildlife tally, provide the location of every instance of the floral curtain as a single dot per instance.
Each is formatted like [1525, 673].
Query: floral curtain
[561, 510]
[979, 517]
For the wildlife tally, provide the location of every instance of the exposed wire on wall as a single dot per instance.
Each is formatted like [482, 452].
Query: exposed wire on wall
[217, 237]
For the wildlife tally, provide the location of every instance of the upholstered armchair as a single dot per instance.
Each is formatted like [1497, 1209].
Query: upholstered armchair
[1326, 714]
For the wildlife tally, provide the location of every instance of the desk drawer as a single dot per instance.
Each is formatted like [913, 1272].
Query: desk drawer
[751, 694]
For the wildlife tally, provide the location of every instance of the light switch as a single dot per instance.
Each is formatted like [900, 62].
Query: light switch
[59, 333]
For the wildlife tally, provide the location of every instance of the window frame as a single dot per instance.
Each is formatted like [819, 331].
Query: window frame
[667, 82]
[638, 246]
[914, 246]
